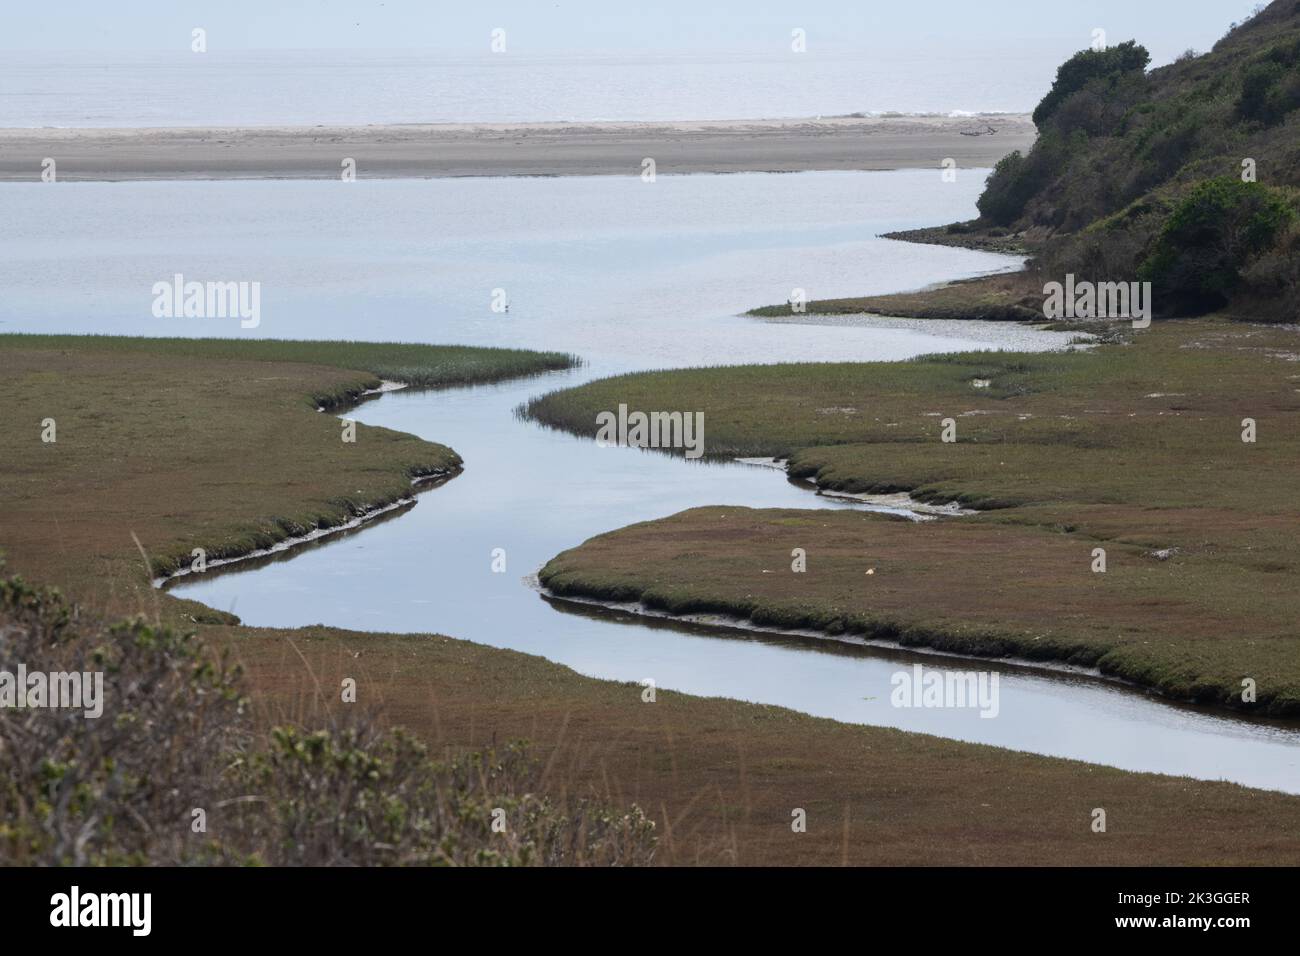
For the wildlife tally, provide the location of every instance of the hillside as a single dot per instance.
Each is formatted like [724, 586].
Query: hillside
[1187, 176]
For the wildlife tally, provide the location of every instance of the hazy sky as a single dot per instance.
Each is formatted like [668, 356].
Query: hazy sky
[1167, 27]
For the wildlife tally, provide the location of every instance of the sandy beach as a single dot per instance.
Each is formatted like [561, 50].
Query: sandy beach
[543, 149]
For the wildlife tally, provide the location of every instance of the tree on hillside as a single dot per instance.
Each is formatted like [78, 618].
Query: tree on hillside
[1085, 67]
[1210, 237]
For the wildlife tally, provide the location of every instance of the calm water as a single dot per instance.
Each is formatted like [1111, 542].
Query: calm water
[629, 275]
[225, 88]
[625, 273]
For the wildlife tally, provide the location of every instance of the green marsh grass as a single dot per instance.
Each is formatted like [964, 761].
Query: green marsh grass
[1134, 447]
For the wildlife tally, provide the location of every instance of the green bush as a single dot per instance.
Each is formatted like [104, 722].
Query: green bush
[175, 734]
[1270, 84]
[1103, 106]
[1007, 191]
[1017, 179]
[1088, 66]
[1209, 238]
[1272, 281]
[1268, 93]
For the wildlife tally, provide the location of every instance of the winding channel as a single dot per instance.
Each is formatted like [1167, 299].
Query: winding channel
[629, 277]
[534, 492]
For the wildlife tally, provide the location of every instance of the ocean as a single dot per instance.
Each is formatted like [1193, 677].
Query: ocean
[271, 88]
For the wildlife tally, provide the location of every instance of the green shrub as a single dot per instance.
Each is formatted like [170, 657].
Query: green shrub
[1166, 148]
[1087, 66]
[1006, 192]
[1272, 281]
[1016, 179]
[175, 734]
[1102, 106]
[1209, 238]
[1270, 85]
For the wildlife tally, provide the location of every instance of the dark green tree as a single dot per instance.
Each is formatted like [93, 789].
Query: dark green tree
[1087, 66]
[1210, 236]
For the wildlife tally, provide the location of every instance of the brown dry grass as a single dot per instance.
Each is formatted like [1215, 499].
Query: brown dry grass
[185, 451]
[1014, 297]
[182, 453]
[1136, 447]
[721, 777]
